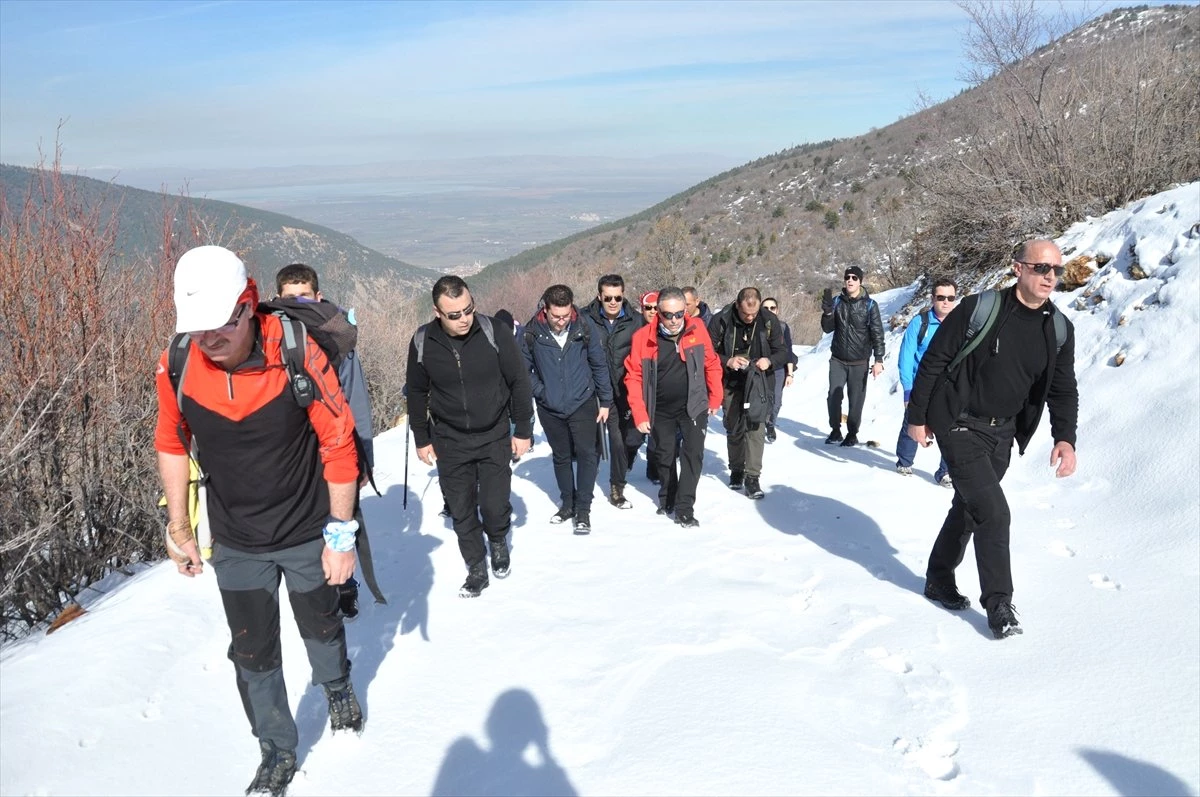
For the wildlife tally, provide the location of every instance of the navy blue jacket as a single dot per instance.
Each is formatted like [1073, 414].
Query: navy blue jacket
[563, 379]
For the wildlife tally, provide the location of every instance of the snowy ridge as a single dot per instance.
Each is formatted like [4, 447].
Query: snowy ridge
[781, 648]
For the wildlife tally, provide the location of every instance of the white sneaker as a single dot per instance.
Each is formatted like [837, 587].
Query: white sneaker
[947, 481]
[903, 471]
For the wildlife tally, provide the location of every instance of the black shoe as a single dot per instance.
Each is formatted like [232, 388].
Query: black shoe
[445, 510]
[770, 433]
[736, 477]
[665, 509]
[348, 598]
[344, 712]
[834, 437]
[583, 523]
[652, 474]
[276, 771]
[562, 516]
[616, 497]
[949, 597]
[753, 490]
[1002, 619]
[500, 559]
[687, 520]
[850, 441]
[477, 581]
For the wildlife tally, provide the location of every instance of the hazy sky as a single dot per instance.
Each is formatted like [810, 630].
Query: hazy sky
[241, 84]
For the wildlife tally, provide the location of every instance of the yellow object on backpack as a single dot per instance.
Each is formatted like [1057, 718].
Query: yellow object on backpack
[197, 509]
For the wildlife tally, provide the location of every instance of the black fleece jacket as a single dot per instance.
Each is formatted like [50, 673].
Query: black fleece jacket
[468, 388]
[1003, 375]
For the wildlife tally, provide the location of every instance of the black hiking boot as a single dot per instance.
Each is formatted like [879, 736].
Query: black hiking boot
[562, 516]
[736, 478]
[348, 598]
[344, 712]
[445, 510]
[850, 441]
[666, 509]
[500, 559]
[477, 581]
[276, 771]
[616, 497]
[583, 522]
[770, 435]
[687, 520]
[1002, 619]
[834, 437]
[948, 596]
[753, 490]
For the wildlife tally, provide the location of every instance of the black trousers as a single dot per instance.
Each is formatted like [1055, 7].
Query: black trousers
[978, 456]
[677, 488]
[620, 431]
[854, 379]
[476, 480]
[574, 441]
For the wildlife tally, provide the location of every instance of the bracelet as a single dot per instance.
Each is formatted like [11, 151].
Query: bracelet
[340, 535]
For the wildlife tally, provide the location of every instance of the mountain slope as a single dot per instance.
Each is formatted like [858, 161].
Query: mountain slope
[781, 648]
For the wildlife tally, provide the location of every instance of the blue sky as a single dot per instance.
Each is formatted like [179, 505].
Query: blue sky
[243, 84]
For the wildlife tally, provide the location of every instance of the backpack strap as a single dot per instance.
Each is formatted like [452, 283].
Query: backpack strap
[924, 327]
[1060, 329]
[986, 311]
[295, 339]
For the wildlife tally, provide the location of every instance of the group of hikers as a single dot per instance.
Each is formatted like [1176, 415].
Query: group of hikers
[271, 417]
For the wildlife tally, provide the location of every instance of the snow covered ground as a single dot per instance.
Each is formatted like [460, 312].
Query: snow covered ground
[781, 648]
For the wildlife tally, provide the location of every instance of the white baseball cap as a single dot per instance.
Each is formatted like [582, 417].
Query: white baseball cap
[208, 282]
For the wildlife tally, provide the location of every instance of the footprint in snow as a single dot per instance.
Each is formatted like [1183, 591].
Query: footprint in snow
[1101, 581]
[892, 662]
[1060, 548]
[1065, 523]
[152, 711]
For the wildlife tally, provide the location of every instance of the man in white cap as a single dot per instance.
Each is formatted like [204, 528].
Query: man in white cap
[281, 482]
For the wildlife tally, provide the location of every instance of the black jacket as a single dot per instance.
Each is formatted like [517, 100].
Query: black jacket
[939, 399]
[617, 340]
[476, 392]
[766, 340]
[856, 326]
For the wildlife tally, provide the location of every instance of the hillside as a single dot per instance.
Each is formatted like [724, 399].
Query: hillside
[783, 647]
[265, 240]
[790, 222]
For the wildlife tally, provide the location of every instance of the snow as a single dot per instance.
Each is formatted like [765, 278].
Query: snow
[783, 647]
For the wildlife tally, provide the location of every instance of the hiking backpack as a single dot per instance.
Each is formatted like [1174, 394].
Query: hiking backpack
[485, 323]
[924, 314]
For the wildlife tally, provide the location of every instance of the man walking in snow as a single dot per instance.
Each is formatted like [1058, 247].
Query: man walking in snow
[783, 376]
[995, 395]
[281, 486]
[853, 318]
[469, 410]
[917, 338]
[573, 390]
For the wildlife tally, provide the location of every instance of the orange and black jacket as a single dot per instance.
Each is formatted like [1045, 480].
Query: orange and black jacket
[267, 460]
[703, 369]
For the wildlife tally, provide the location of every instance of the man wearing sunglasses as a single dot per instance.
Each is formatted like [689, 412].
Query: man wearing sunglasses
[673, 378]
[995, 395]
[749, 343]
[281, 486]
[614, 320]
[470, 411]
[853, 318]
[917, 338]
[573, 390]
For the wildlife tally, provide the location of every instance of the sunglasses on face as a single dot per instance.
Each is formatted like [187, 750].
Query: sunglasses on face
[772, 308]
[611, 299]
[940, 298]
[649, 308]
[851, 278]
[1044, 268]
[227, 328]
[672, 316]
[457, 314]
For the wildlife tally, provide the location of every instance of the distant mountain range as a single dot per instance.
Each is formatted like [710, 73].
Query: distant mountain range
[265, 240]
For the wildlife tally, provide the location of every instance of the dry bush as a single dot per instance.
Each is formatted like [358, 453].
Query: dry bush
[78, 341]
[387, 317]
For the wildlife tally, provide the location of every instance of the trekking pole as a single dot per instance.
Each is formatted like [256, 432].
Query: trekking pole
[407, 431]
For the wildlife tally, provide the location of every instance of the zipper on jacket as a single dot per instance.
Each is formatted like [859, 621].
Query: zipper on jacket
[462, 383]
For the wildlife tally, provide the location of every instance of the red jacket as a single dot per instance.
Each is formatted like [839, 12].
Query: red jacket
[703, 369]
[267, 460]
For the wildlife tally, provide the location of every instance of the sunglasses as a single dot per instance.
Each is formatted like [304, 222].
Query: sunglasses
[1044, 268]
[227, 328]
[611, 298]
[672, 316]
[457, 314]
[937, 297]
[770, 307]
[851, 278]
[650, 308]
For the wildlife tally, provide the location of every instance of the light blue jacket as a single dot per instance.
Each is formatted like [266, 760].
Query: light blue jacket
[911, 353]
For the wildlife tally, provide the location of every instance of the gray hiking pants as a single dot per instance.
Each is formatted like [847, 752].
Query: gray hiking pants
[249, 585]
[744, 440]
